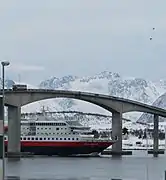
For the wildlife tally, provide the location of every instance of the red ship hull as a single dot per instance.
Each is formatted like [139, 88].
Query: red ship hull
[62, 148]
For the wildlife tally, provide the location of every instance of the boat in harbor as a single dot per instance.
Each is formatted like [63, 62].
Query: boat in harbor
[59, 137]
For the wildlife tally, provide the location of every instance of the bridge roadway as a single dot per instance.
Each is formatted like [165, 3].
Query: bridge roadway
[117, 106]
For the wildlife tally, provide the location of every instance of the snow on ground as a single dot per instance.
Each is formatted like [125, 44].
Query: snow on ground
[134, 142]
[144, 144]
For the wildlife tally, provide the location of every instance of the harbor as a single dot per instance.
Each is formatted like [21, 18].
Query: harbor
[139, 166]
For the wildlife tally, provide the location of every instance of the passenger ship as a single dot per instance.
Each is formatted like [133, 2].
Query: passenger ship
[59, 137]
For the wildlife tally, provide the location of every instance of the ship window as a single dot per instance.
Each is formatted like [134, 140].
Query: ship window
[44, 138]
[24, 138]
[56, 138]
[48, 138]
[36, 138]
[64, 138]
[60, 138]
[57, 128]
[21, 138]
[40, 138]
[28, 138]
[32, 138]
[77, 138]
[49, 128]
[68, 138]
[52, 138]
[72, 138]
[45, 128]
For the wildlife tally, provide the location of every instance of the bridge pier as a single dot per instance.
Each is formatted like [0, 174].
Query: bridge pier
[156, 136]
[117, 133]
[14, 128]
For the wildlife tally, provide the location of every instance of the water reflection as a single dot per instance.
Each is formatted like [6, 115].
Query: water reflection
[140, 166]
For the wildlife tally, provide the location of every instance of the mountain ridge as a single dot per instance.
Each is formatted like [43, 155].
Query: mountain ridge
[105, 82]
[109, 83]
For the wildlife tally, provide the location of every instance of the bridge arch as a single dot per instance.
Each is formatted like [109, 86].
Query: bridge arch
[36, 97]
[110, 103]
[113, 104]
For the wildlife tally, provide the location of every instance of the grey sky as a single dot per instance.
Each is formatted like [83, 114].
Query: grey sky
[44, 38]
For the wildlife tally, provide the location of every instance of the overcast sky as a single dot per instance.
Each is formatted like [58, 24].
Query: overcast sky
[44, 38]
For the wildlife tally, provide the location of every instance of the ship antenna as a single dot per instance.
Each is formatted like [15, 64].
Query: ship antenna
[43, 111]
[19, 78]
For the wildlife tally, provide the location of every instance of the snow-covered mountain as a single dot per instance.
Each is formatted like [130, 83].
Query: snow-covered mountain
[160, 102]
[105, 83]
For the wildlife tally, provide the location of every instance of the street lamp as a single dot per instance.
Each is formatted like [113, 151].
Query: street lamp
[3, 63]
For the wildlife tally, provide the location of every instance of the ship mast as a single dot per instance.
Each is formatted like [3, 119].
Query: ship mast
[43, 111]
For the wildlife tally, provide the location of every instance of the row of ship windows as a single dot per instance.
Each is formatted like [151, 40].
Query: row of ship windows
[41, 138]
[46, 128]
[53, 133]
[43, 124]
[49, 133]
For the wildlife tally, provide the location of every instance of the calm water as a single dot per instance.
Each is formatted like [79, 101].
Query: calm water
[140, 166]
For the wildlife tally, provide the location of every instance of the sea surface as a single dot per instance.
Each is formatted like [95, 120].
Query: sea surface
[139, 166]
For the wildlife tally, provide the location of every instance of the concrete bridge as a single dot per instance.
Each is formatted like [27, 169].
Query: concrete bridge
[117, 106]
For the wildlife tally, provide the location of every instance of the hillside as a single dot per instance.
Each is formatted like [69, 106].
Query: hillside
[105, 83]
[160, 102]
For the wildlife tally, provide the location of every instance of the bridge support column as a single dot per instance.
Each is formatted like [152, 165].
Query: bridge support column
[156, 136]
[117, 133]
[14, 128]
